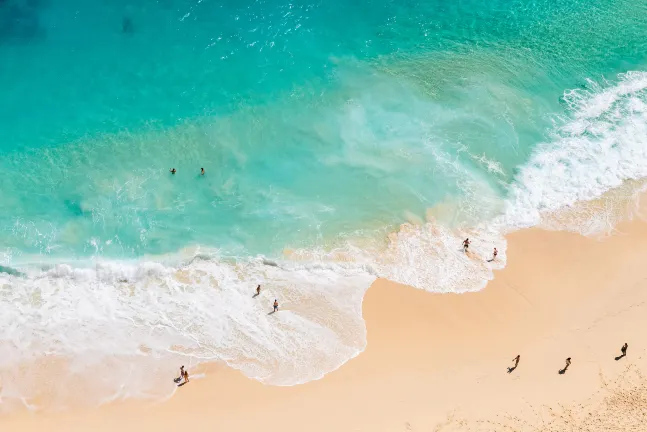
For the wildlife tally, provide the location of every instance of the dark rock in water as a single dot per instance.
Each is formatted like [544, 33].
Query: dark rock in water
[270, 263]
[127, 26]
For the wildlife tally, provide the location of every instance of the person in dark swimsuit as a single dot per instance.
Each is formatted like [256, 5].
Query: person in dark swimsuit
[172, 170]
[258, 290]
[201, 171]
[276, 305]
[624, 349]
[516, 363]
[494, 254]
[466, 244]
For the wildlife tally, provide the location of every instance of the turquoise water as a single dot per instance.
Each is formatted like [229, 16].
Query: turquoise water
[322, 127]
[312, 120]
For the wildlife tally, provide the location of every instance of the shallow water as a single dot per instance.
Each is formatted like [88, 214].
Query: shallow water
[322, 128]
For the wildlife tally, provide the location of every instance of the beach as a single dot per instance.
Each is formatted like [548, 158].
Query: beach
[172, 156]
[439, 361]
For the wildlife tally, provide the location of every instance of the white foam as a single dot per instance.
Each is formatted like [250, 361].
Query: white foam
[132, 324]
[599, 146]
[108, 330]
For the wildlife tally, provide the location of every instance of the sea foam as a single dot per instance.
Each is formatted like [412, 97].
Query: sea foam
[114, 329]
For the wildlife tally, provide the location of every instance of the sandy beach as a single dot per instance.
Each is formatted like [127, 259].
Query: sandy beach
[439, 362]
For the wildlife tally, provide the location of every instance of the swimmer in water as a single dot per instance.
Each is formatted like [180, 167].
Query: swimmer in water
[172, 170]
[201, 171]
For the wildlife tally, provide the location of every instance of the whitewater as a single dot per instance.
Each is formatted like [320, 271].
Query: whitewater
[114, 328]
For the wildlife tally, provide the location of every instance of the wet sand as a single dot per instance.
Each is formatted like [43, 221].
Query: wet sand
[439, 362]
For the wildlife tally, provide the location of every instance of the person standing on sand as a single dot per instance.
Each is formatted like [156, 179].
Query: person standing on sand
[276, 305]
[624, 349]
[186, 377]
[516, 363]
[466, 244]
[181, 371]
[568, 363]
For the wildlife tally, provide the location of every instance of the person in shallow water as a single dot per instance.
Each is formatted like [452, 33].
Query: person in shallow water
[172, 170]
[201, 171]
[276, 305]
[258, 290]
[494, 254]
[181, 371]
[186, 377]
[466, 244]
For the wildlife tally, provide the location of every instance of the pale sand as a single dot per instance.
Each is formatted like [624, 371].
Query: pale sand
[437, 362]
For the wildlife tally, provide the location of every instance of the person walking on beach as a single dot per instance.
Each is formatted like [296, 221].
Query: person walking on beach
[568, 363]
[494, 254]
[186, 377]
[172, 170]
[258, 290]
[466, 244]
[516, 363]
[276, 305]
[201, 171]
[182, 372]
[624, 349]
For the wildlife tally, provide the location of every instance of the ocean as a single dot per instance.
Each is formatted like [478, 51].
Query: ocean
[341, 142]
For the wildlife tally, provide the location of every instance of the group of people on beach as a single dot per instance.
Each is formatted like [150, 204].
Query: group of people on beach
[466, 245]
[276, 302]
[184, 375]
[623, 350]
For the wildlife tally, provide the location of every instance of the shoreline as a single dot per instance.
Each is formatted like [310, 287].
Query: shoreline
[439, 360]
